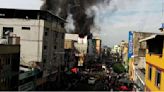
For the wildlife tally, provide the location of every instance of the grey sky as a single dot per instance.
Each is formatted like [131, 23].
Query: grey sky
[21, 4]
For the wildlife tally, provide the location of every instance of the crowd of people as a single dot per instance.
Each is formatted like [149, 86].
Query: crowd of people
[112, 82]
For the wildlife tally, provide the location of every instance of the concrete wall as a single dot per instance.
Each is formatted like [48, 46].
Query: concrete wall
[68, 44]
[44, 41]
[54, 41]
[9, 67]
[31, 40]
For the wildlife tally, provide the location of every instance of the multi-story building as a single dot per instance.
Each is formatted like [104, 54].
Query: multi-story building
[81, 46]
[70, 50]
[116, 52]
[42, 39]
[91, 47]
[154, 76]
[137, 58]
[9, 66]
[97, 45]
[125, 55]
[116, 49]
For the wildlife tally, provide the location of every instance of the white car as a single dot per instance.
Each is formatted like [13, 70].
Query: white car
[91, 80]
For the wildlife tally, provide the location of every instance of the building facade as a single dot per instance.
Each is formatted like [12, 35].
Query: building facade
[42, 39]
[81, 46]
[125, 55]
[154, 76]
[70, 59]
[137, 59]
[97, 45]
[9, 67]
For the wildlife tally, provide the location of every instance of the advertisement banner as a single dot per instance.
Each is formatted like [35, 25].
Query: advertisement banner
[130, 48]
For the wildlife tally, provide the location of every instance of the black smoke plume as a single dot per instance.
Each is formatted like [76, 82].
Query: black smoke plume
[78, 9]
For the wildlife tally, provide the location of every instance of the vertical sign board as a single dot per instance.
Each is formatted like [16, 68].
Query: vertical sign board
[130, 49]
[162, 25]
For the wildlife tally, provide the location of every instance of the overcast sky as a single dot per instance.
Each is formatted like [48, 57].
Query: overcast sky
[21, 4]
[114, 20]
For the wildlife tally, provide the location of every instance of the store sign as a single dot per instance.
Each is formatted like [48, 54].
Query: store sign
[130, 49]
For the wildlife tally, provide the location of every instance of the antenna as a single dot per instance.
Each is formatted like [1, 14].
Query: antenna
[161, 29]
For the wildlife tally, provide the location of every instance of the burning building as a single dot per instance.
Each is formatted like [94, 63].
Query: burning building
[80, 10]
[80, 45]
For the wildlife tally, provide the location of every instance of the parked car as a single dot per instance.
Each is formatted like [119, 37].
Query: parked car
[91, 80]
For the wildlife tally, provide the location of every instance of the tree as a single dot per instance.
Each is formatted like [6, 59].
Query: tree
[118, 68]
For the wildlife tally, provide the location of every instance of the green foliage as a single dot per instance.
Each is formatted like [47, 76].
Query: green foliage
[118, 68]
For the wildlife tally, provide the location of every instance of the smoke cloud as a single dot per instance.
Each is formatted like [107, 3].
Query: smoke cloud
[80, 13]
[70, 25]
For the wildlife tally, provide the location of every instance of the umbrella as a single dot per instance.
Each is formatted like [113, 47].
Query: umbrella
[123, 88]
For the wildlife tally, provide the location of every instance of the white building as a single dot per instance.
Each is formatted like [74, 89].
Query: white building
[42, 37]
[116, 49]
[81, 45]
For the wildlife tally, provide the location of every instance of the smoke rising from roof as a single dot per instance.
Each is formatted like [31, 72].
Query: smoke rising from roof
[82, 12]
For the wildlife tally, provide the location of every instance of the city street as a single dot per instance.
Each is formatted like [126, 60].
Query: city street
[84, 86]
[81, 45]
[104, 82]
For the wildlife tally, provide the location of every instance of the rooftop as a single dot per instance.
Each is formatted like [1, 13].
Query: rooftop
[152, 37]
[29, 14]
[9, 49]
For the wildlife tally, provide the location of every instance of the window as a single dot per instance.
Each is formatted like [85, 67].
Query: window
[153, 48]
[56, 35]
[47, 29]
[158, 78]
[45, 47]
[45, 33]
[8, 61]
[63, 36]
[7, 31]
[44, 60]
[55, 47]
[149, 72]
[26, 28]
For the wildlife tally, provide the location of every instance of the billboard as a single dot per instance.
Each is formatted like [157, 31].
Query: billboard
[130, 47]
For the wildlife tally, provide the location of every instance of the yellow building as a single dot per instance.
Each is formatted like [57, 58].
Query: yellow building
[154, 74]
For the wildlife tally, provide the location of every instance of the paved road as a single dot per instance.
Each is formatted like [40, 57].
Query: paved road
[84, 86]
